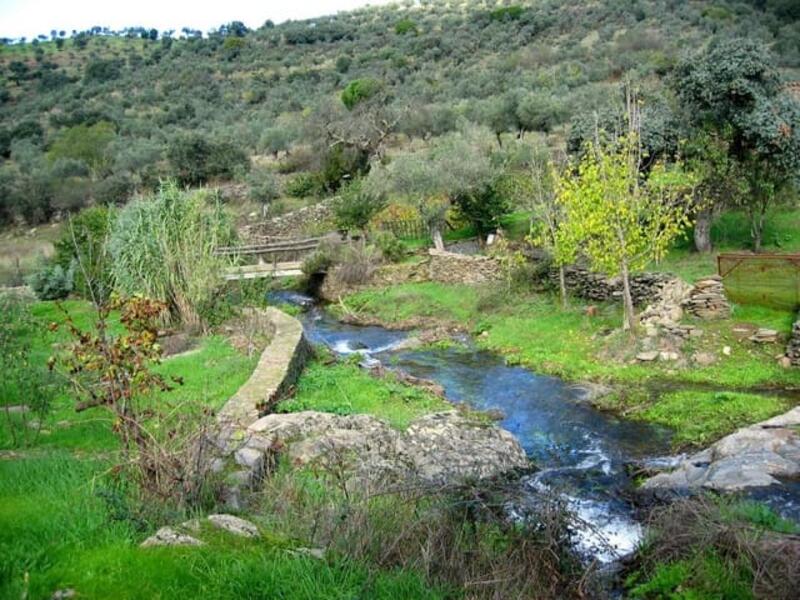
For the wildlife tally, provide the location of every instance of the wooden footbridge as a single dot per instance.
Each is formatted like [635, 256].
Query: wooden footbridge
[275, 257]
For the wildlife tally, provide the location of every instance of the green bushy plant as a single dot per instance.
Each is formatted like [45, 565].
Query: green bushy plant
[164, 246]
[302, 185]
[83, 244]
[53, 281]
[391, 248]
[356, 205]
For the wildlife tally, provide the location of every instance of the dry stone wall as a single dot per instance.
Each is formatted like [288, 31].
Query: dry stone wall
[793, 350]
[449, 267]
[295, 223]
[645, 287]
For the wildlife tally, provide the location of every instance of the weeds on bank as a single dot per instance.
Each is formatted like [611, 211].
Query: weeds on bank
[707, 548]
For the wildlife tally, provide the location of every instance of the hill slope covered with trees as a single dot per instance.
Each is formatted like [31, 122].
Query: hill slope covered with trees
[98, 116]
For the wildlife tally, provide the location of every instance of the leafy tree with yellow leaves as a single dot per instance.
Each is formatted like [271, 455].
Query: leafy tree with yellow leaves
[620, 218]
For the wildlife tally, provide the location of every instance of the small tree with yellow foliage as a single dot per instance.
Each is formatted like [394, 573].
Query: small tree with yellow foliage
[620, 218]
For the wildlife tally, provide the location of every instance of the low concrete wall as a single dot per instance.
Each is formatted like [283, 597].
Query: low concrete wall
[278, 368]
[449, 267]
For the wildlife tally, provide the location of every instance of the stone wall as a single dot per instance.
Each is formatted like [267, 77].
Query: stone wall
[295, 223]
[645, 287]
[793, 350]
[448, 267]
[278, 368]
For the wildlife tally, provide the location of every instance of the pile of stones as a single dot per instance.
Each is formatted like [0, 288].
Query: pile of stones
[793, 349]
[764, 336]
[707, 299]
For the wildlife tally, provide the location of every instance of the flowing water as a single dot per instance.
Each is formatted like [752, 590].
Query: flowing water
[580, 452]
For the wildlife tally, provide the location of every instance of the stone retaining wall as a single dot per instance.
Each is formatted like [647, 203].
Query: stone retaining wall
[278, 368]
[793, 349]
[297, 222]
[449, 267]
[645, 287]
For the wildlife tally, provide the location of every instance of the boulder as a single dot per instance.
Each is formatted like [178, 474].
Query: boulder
[753, 456]
[234, 525]
[168, 536]
[439, 448]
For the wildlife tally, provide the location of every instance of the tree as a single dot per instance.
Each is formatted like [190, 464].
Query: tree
[84, 143]
[548, 219]
[196, 159]
[620, 221]
[356, 205]
[734, 89]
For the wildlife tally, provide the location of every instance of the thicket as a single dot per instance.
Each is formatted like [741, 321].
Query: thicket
[163, 246]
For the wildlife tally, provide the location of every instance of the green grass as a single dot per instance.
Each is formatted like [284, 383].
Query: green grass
[534, 331]
[55, 527]
[346, 389]
[64, 523]
[699, 418]
[702, 577]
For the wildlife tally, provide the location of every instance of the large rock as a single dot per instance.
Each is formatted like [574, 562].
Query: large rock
[438, 448]
[168, 536]
[751, 457]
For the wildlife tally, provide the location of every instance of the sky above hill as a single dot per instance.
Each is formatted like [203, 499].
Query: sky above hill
[30, 18]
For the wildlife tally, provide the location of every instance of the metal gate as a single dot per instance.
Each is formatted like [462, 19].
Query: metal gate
[771, 280]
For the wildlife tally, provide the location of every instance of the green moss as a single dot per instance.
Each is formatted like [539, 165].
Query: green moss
[699, 418]
[346, 389]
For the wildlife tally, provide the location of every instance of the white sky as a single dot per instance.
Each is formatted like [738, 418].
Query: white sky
[30, 18]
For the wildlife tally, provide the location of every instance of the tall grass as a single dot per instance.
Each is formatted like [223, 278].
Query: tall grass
[163, 247]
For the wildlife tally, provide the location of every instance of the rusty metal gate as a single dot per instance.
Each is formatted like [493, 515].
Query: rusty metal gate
[771, 280]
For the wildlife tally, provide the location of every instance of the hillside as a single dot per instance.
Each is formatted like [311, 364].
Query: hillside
[99, 116]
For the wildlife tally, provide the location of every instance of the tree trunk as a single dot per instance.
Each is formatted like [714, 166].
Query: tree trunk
[702, 230]
[628, 317]
[562, 284]
[757, 229]
[436, 234]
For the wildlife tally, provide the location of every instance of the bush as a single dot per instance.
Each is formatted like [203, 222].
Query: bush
[359, 90]
[53, 282]
[196, 159]
[303, 185]
[357, 264]
[83, 243]
[391, 248]
[163, 246]
[356, 206]
[264, 186]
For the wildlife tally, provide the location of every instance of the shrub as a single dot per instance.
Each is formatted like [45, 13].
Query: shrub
[404, 26]
[391, 248]
[359, 90]
[196, 159]
[264, 186]
[53, 282]
[25, 382]
[356, 205]
[302, 185]
[163, 246]
[85, 143]
[83, 243]
[357, 264]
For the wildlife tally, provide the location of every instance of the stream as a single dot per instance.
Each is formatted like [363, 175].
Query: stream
[579, 451]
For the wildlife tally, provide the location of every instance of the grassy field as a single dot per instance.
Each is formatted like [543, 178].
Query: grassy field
[65, 522]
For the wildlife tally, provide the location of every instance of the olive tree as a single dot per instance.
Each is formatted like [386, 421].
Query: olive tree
[734, 89]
